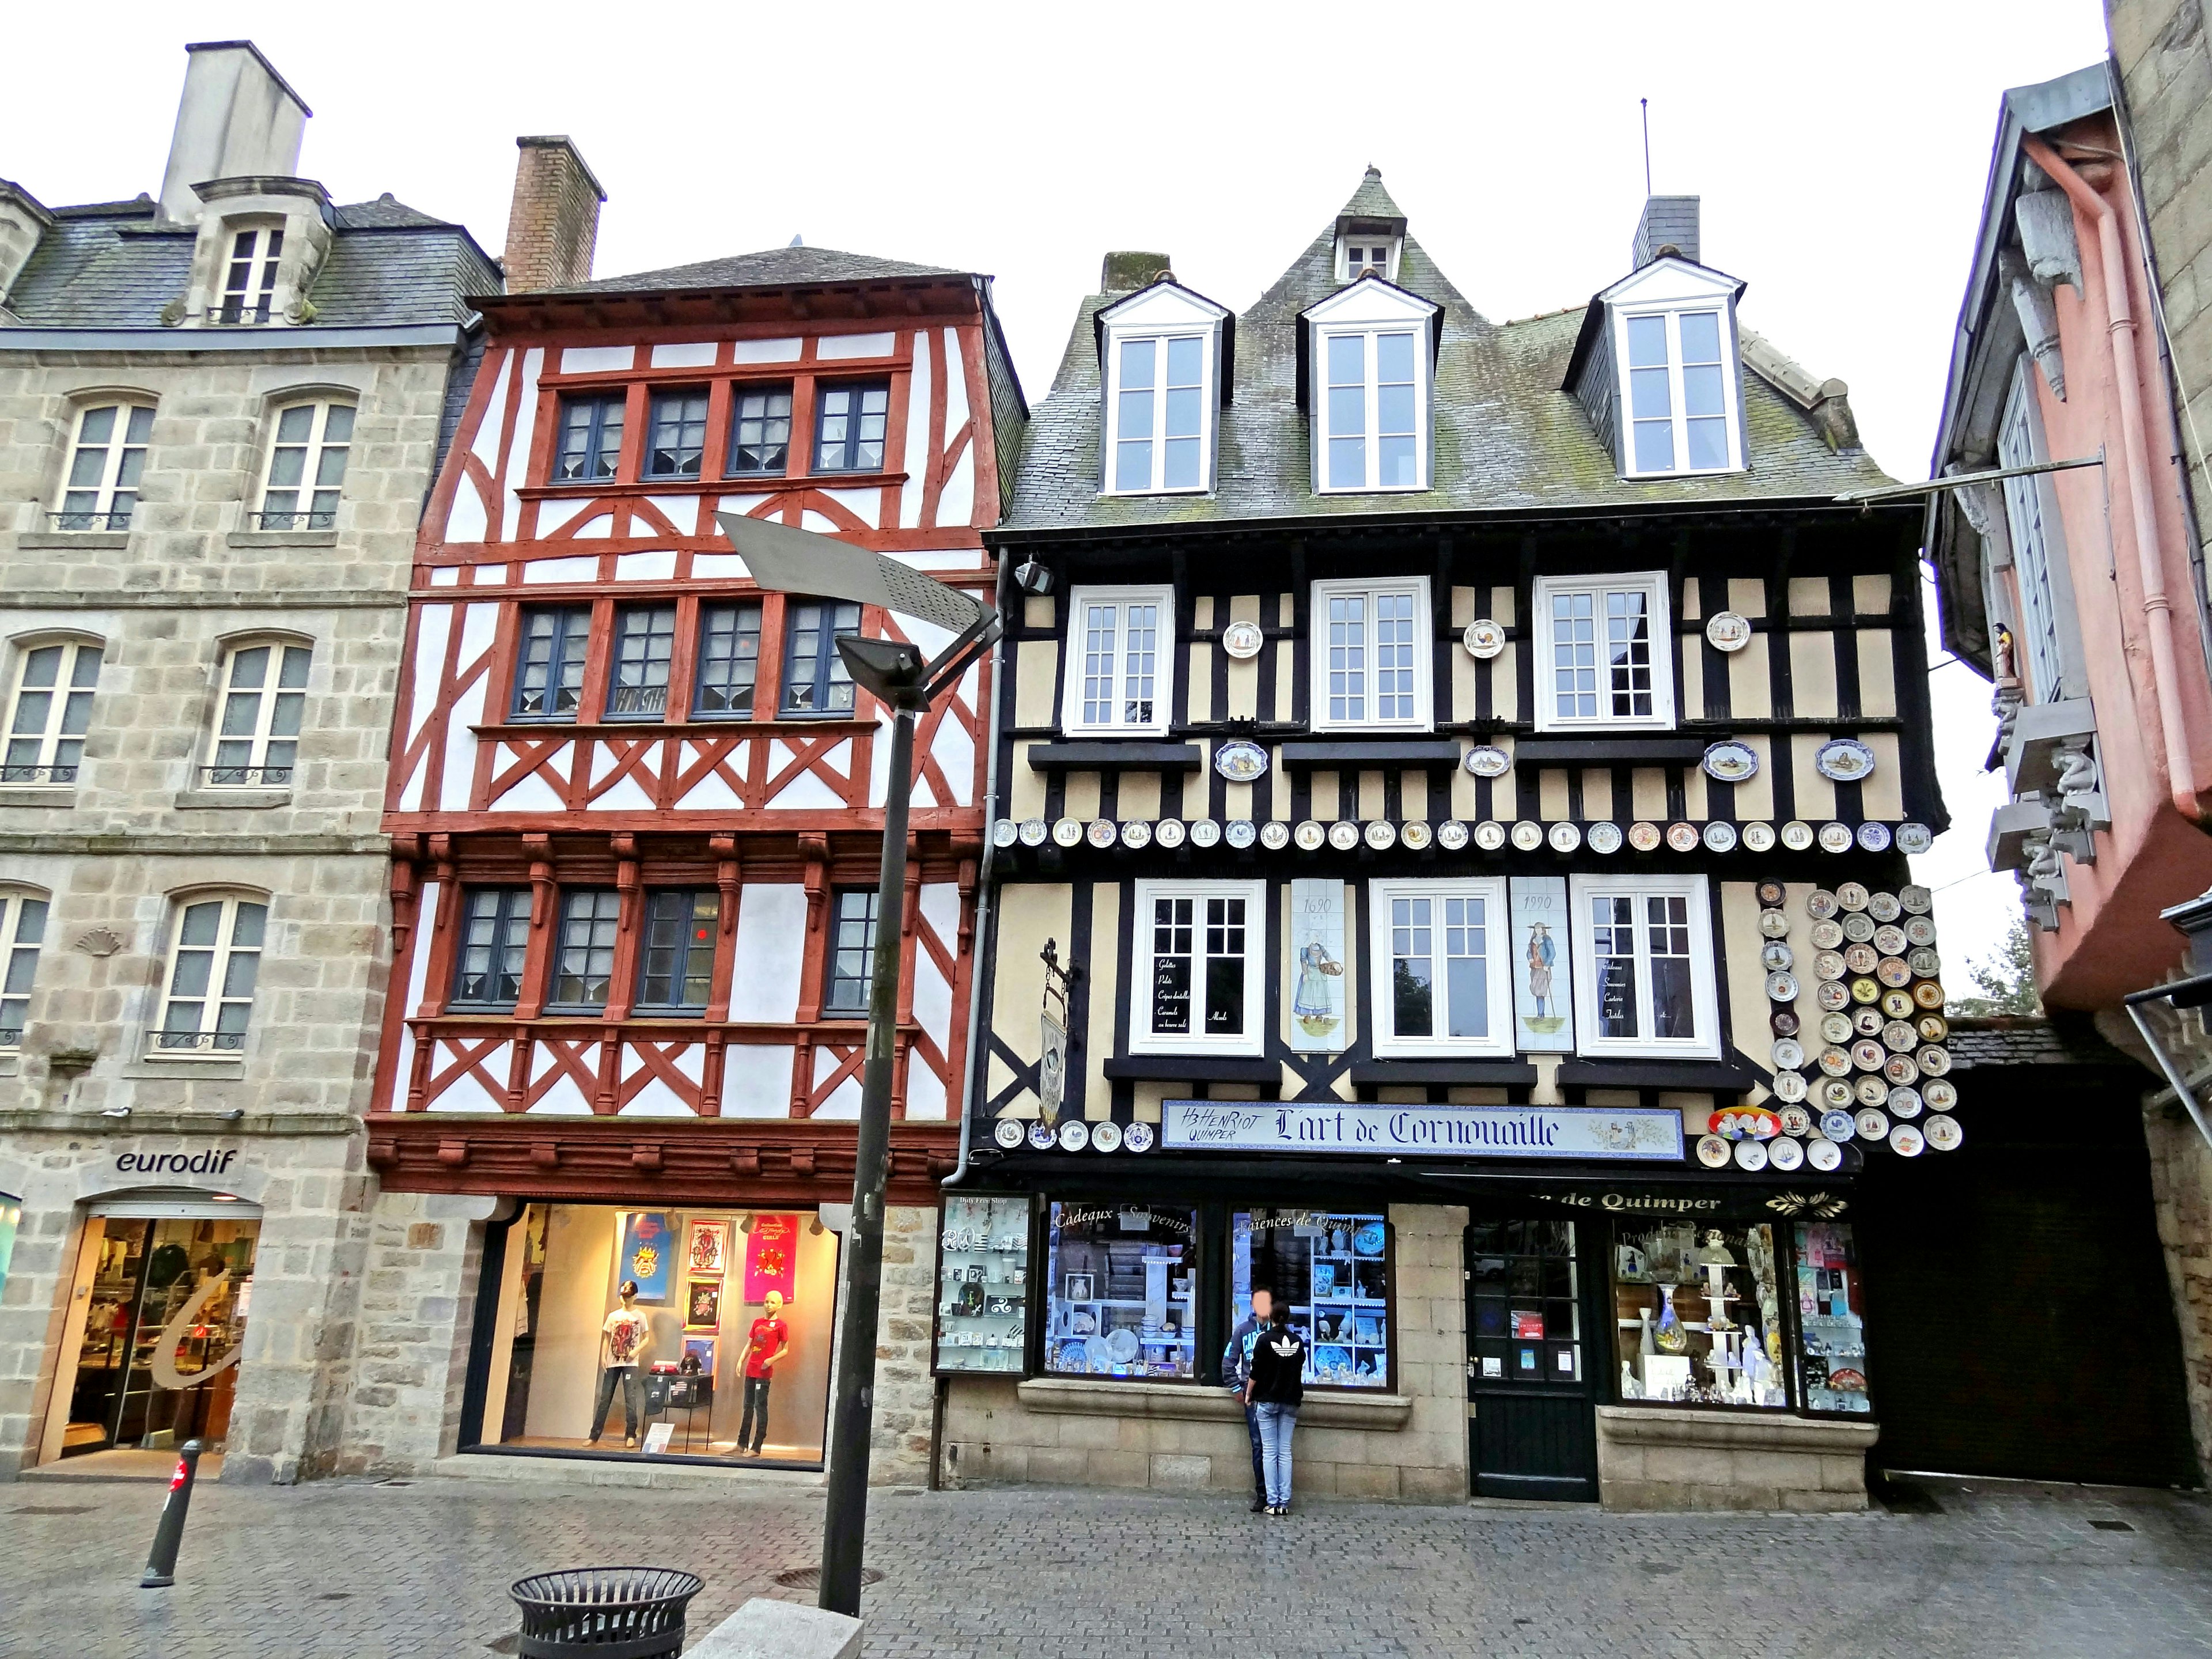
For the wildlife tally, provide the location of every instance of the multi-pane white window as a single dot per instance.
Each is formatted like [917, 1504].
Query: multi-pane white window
[2033, 523]
[50, 711]
[256, 735]
[1199, 979]
[1159, 414]
[1682, 392]
[22, 930]
[1359, 255]
[1371, 411]
[1444, 946]
[100, 490]
[307, 467]
[215, 957]
[1605, 651]
[1371, 654]
[1643, 964]
[249, 275]
[1121, 660]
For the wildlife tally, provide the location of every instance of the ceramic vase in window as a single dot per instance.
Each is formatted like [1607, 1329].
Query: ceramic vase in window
[1670, 1335]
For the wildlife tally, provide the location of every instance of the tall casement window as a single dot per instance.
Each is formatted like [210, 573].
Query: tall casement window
[1608, 651]
[1678, 402]
[49, 711]
[549, 666]
[22, 930]
[2032, 521]
[1198, 982]
[1444, 946]
[850, 971]
[760, 431]
[1371, 654]
[1643, 966]
[850, 422]
[307, 467]
[583, 951]
[678, 438]
[215, 957]
[814, 678]
[591, 438]
[494, 939]
[729, 661]
[1372, 410]
[1159, 414]
[249, 275]
[257, 736]
[101, 491]
[637, 679]
[675, 958]
[1121, 660]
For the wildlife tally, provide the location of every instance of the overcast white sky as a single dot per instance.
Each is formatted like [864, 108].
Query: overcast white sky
[1841, 153]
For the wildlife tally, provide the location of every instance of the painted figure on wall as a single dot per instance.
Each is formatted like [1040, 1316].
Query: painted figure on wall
[1542, 955]
[1314, 1001]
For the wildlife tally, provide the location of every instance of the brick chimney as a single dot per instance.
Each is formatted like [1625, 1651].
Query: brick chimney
[554, 222]
[1669, 222]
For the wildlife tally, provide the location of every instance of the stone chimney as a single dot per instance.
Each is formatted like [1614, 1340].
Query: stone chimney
[1123, 270]
[1670, 225]
[237, 120]
[554, 222]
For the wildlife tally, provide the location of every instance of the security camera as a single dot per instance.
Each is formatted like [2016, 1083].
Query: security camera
[1033, 578]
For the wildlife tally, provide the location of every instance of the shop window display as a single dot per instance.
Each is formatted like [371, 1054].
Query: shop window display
[1699, 1315]
[1830, 1323]
[982, 1283]
[1119, 1298]
[1332, 1271]
[1527, 1285]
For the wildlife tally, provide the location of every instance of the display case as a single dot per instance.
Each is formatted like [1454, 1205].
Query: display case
[1119, 1299]
[1332, 1271]
[982, 1284]
[1699, 1315]
[1830, 1322]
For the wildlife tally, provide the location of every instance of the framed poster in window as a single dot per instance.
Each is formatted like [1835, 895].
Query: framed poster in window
[702, 1305]
[706, 1253]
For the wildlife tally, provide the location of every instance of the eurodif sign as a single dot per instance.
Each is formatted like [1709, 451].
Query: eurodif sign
[213, 1160]
[1643, 1134]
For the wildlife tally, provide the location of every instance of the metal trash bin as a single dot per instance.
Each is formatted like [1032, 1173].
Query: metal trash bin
[604, 1612]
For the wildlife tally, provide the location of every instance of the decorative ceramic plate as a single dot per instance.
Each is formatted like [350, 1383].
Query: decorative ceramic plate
[1935, 1060]
[1796, 835]
[1727, 631]
[1776, 957]
[1828, 935]
[1034, 830]
[1105, 1137]
[1310, 836]
[1240, 762]
[1528, 836]
[1872, 1123]
[1005, 833]
[1837, 1125]
[1828, 964]
[1121, 1345]
[1042, 1137]
[1720, 837]
[1484, 638]
[1074, 1135]
[1381, 834]
[1206, 833]
[1835, 1095]
[1914, 838]
[1138, 1137]
[1858, 928]
[1564, 837]
[1759, 835]
[1917, 900]
[1009, 1133]
[1929, 994]
[1136, 833]
[1644, 838]
[1899, 1037]
[1102, 832]
[1898, 1005]
[1751, 1154]
[1903, 1102]
[1884, 906]
[1920, 932]
[1771, 893]
[1451, 835]
[1835, 1062]
[1344, 834]
[1872, 1090]
[1867, 1022]
[1490, 835]
[1773, 924]
[1865, 990]
[1907, 1141]
[1714, 1152]
[1243, 639]
[1788, 1088]
[1731, 762]
[1274, 835]
[1867, 1055]
[1835, 1028]
[1893, 972]
[1932, 1028]
[1604, 838]
[1682, 837]
[1836, 838]
[1902, 1070]
[1820, 904]
[1845, 760]
[1782, 987]
[1941, 1095]
[1785, 1154]
[1170, 833]
[1890, 940]
[1852, 895]
[1860, 958]
[1824, 1155]
[1067, 832]
[1875, 838]
[1796, 1119]
[1832, 995]
[1944, 1134]
[1416, 833]
[1784, 1021]
[1488, 760]
[1923, 962]
[1241, 833]
[1367, 1241]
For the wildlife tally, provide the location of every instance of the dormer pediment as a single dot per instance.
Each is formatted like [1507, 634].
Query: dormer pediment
[1671, 280]
[1167, 307]
[1373, 300]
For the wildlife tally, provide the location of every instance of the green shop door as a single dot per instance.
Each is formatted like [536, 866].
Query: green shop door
[1532, 1427]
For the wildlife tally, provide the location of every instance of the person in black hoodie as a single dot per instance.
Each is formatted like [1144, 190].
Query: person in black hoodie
[1275, 1391]
[1236, 1371]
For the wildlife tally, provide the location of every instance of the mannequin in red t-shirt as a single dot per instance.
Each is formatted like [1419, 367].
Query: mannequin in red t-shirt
[770, 1341]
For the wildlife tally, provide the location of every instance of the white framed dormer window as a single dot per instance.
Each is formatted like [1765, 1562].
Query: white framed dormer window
[214, 959]
[1160, 361]
[1444, 981]
[1358, 254]
[1372, 655]
[1644, 982]
[49, 710]
[1198, 979]
[1370, 357]
[249, 273]
[1605, 651]
[307, 467]
[255, 742]
[100, 490]
[1677, 391]
[1120, 661]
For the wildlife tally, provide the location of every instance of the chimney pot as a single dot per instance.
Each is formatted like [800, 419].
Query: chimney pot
[553, 224]
[237, 120]
[1668, 226]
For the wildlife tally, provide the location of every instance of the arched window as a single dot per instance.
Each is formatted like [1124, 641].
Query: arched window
[49, 710]
[307, 467]
[256, 739]
[22, 931]
[99, 491]
[215, 957]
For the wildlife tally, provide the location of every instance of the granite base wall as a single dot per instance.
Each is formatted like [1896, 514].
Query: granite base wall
[1656, 1457]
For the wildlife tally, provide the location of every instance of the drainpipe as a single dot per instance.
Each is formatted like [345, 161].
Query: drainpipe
[2158, 609]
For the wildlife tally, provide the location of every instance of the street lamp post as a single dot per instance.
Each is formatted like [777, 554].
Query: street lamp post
[800, 561]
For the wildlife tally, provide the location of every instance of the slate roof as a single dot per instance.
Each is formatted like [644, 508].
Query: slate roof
[1981, 1042]
[1506, 436]
[770, 268]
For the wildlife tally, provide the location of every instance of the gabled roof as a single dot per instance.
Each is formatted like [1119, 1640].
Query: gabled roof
[773, 267]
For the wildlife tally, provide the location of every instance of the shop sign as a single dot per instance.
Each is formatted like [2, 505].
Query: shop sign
[1651, 1134]
[214, 1160]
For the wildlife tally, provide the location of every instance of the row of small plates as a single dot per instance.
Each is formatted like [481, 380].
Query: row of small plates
[1452, 835]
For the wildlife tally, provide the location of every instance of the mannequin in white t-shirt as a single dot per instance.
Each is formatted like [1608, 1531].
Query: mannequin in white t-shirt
[624, 1340]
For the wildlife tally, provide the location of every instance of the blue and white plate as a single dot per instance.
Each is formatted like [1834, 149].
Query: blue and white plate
[1367, 1241]
[1240, 762]
[1845, 760]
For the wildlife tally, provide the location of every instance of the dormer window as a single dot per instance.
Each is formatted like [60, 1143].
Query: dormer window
[1357, 256]
[1658, 368]
[1160, 354]
[1368, 362]
[249, 281]
[1677, 397]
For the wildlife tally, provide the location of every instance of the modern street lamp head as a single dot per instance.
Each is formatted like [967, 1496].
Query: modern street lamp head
[801, 562]
[891, 668]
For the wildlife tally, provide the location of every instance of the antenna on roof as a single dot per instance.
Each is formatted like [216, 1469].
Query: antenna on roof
[1646, 103]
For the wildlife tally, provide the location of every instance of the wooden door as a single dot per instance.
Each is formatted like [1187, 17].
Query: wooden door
[1533, 1348]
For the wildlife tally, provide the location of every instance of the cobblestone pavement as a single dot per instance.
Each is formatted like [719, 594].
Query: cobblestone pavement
[422, 1569]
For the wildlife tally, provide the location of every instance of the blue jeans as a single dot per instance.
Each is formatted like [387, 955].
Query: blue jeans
[1276, 1425]
[632, 1393]
[1259, 1471]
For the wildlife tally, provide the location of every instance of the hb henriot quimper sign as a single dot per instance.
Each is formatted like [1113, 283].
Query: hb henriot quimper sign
[1651, 1135]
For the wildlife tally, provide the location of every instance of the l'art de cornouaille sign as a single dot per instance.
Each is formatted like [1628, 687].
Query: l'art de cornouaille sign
[1646, 1135]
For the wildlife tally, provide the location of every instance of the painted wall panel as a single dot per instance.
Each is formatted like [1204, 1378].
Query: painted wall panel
[771, 941]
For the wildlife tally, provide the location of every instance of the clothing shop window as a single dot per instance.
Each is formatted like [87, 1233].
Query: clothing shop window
[1120, 1296]
[1372, 655]
[549, 668]
[850, 972]
[584, 954]
[815, 680]
[1682, 392]
[215, 957]
[1699, 1314]
[100, 490]
[591, 438]
[1159, 408]
[1120, 670]
[1372, 410]
[1644, 964]
[306, 467]
[729, 661]
[1831, 1319]
[2033, 523]
[1443, 946]
[494, 941]
[760, 431]
[249, 277]
[1199, 976]
[850, 425]
[22, 931]
[676, 963]
[637, 680]
[1333, 1271]
[257, 736]
[677, 438]
[1606, 652]
[50, 711]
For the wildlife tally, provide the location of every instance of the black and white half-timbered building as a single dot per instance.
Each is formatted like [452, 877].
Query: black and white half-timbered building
[1450, 810]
